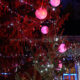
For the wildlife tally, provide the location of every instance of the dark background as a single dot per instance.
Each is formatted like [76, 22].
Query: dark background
[72, 26]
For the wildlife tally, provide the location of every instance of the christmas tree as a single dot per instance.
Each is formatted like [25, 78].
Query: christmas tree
[30, 48]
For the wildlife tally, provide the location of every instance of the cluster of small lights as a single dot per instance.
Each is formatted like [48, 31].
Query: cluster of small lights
[44, 31]
[46, 67]
[42, 54]
[25, 2]
[14, 12]
[41, 11]
[35, 61]
[5, 73]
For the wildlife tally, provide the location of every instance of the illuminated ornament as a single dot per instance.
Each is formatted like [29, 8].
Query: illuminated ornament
[62, 48]
[41, 13]
[60, 64]
[44, 30]
[55, 3]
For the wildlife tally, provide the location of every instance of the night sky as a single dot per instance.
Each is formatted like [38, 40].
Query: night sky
[72, 26]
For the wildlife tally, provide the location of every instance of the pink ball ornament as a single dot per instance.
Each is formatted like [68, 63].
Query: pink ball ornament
[55, 3]
[62, 48]
[41, 13]
[44, 30]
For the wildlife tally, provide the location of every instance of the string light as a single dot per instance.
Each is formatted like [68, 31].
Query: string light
[41, 71]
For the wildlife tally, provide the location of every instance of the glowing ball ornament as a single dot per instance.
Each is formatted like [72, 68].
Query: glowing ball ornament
[55, 3]
[41, 13]
[44, 30]
[62, 48]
